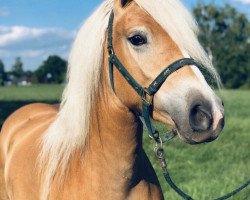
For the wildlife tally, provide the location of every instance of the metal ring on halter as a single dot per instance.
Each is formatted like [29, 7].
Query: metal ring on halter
[110, 51]
[159, 143]
[157, 140]
[144, 97]
[150, 136]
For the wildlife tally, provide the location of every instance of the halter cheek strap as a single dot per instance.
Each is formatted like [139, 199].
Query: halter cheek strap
[147, 105]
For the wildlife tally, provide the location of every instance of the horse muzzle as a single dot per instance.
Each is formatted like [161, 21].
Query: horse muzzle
[205, 126]
[203, 122]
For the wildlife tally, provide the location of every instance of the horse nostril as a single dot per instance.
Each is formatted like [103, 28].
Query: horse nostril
[200, 118]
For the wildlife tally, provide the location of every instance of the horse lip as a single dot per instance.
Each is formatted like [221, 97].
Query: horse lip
[193, 140]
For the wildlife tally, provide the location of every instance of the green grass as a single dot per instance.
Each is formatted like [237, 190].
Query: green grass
[31, 93]
[12, 98]
[204, 171]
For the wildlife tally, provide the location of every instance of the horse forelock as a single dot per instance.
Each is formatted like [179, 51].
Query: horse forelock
[180, 24]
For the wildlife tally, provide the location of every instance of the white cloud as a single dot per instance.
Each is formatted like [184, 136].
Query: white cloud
[244, 1]
[15, 34]
[33, 45]
[4, 12]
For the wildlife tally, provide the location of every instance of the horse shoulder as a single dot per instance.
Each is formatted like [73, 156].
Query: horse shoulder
[19, 146]
[23, 121]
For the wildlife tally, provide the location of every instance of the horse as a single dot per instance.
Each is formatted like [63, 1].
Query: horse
[90, 146]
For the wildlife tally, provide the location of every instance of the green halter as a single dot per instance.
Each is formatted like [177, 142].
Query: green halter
[147, 105]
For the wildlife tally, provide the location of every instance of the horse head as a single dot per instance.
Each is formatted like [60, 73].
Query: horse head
[145, 42]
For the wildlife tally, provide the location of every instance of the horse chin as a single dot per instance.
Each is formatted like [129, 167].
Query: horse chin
[195, 138]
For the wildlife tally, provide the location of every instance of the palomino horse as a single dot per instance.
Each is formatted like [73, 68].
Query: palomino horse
[90, 147]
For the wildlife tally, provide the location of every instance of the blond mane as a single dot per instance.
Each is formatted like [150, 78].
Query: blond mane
[72, 124]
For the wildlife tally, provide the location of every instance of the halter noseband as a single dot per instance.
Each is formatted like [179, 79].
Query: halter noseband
[144, 93]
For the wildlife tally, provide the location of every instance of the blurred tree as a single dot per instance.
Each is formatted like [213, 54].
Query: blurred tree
[226, 33]
[52, 70]
[2, 74]
[17, 68]
[29, 76]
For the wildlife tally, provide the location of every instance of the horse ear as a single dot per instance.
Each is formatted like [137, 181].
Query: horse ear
[125, 2]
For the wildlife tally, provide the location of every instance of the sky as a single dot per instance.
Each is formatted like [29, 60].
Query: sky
[35, 29]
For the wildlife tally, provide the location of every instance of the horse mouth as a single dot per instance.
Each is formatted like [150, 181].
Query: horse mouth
[164, 118]
[196, 138]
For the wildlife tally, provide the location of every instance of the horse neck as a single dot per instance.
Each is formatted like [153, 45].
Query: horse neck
[112, 121]
[113, 155]
[116, 134]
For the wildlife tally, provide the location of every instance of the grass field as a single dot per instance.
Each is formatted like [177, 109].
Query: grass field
[204, 171]
[12, 98]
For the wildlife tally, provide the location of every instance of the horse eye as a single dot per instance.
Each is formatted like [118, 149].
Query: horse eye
[138, 40]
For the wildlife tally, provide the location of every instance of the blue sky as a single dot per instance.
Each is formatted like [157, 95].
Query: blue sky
[35, 29]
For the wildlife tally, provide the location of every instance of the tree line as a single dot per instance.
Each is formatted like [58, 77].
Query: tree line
[224, 32]
[52, 70]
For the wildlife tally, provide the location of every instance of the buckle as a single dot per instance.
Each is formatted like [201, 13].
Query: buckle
[110, 51]
[159, 153]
